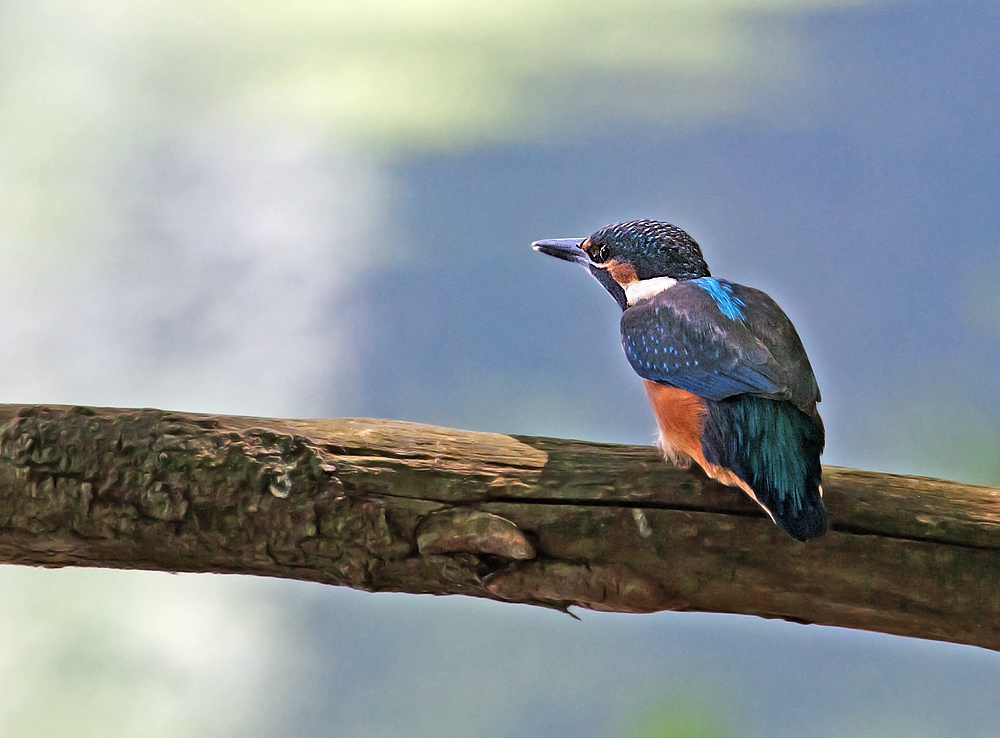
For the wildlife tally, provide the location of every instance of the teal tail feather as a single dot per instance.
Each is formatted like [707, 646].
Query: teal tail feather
[774, 447]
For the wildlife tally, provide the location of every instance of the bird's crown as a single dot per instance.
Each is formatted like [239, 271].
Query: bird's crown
[652, 248]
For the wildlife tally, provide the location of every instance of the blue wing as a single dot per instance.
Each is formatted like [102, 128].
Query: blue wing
[716, 340]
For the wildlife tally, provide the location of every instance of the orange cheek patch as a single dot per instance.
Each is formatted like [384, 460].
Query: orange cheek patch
[623, 274]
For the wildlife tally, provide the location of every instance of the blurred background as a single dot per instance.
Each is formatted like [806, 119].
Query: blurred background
[324, 208]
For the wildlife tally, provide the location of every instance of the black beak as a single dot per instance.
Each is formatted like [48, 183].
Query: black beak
[567, 249]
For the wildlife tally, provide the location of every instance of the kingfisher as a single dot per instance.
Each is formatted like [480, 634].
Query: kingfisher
[725, 371]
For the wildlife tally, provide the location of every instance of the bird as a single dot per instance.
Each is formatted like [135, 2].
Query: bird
[725, 371]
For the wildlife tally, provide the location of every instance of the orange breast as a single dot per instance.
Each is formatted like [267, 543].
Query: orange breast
[680, 416]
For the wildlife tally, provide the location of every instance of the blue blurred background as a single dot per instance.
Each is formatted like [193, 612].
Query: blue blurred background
[324, 208]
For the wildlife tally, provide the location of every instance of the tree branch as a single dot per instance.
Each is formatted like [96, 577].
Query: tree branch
[383, 505]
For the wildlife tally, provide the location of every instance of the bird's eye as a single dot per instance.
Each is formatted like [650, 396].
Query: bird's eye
[601, 254]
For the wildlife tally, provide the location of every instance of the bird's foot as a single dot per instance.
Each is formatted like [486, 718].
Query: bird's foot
[679, 461]
[678, 458]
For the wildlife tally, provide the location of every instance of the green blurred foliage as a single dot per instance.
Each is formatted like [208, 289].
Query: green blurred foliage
[686, 718]
[83, 87]
[142, 654]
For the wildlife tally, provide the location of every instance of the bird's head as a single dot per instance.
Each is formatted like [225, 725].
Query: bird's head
[627, 257]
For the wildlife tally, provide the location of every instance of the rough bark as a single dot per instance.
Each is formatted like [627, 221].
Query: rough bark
[384, 505]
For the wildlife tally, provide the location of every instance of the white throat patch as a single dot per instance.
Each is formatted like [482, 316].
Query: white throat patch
[643, 289]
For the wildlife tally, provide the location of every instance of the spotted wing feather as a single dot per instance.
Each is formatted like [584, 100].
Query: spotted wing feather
[681, 337]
